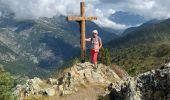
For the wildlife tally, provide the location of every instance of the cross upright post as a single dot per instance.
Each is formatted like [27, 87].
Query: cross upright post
[82, 20]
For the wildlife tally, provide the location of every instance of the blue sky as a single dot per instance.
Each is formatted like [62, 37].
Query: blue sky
[32, 9]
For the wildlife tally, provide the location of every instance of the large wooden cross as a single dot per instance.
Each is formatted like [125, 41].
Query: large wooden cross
[82, 20]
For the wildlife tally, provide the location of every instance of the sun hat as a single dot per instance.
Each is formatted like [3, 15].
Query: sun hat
[94, 31]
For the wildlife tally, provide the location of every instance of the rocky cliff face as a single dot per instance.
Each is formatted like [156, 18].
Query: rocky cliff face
[81, 80]
[152, 85]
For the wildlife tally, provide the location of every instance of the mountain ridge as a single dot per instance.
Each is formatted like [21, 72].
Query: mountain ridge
[147, 45]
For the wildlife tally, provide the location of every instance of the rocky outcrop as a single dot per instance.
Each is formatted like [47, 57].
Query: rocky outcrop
[152, 85]
[77, 76]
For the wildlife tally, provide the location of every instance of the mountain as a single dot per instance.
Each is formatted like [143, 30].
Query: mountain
[148, 23]
[127, 18]
[143, 48]
[36, 46]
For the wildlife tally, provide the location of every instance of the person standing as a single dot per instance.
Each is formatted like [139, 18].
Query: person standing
[96, 44]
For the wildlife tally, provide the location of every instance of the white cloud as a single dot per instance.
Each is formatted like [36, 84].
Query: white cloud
[30, 9]
[40, 8]
[150, 9]
[101, 8]
[103, 20]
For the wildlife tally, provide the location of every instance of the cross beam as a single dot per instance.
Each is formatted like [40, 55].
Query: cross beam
[82, 20]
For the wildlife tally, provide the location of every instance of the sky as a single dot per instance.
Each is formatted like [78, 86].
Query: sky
[33, 9]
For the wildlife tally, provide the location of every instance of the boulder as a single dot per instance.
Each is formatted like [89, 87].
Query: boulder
[52, 81]
[60, 87]
[17, 90]
[50, 92]
[36, 80]
[67, 92]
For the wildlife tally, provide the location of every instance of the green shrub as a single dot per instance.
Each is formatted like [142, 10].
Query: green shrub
[6, 84]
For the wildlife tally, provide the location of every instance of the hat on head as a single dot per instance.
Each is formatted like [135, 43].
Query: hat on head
[95, 31]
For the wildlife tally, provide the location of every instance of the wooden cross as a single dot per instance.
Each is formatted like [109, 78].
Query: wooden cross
[82, 20]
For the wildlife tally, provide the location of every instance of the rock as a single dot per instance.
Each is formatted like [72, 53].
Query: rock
[37, 80]
[114, 95]
[75, 89]
[61, 88]
[167, 65]
[33, 84]
[52, 81]
[83, 74]
[66, 92]
[17, 90]
[152, 85]
[32, 87]
[97, 76]
[50, 92]
[68, 83]
[55, 86]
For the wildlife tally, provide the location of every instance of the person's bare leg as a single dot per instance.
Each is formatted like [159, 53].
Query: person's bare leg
[95, 59]
[95, 64]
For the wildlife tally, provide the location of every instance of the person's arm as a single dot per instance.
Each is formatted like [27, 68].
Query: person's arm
[88, 39]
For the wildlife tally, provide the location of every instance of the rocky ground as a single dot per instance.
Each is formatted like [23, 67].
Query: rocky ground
[152, 85]
[80, 82]
[83, 82]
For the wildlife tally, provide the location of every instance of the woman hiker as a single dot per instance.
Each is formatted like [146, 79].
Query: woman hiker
[96, 44]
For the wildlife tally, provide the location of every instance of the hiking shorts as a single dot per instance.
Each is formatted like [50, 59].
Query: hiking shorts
[94, 55]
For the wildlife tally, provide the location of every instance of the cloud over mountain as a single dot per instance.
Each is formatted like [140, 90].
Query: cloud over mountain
[31, 9]
[150, 9]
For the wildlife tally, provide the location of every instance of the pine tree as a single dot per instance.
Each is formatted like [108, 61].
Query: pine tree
[105, 56]
[108, 59]
[102, 55]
